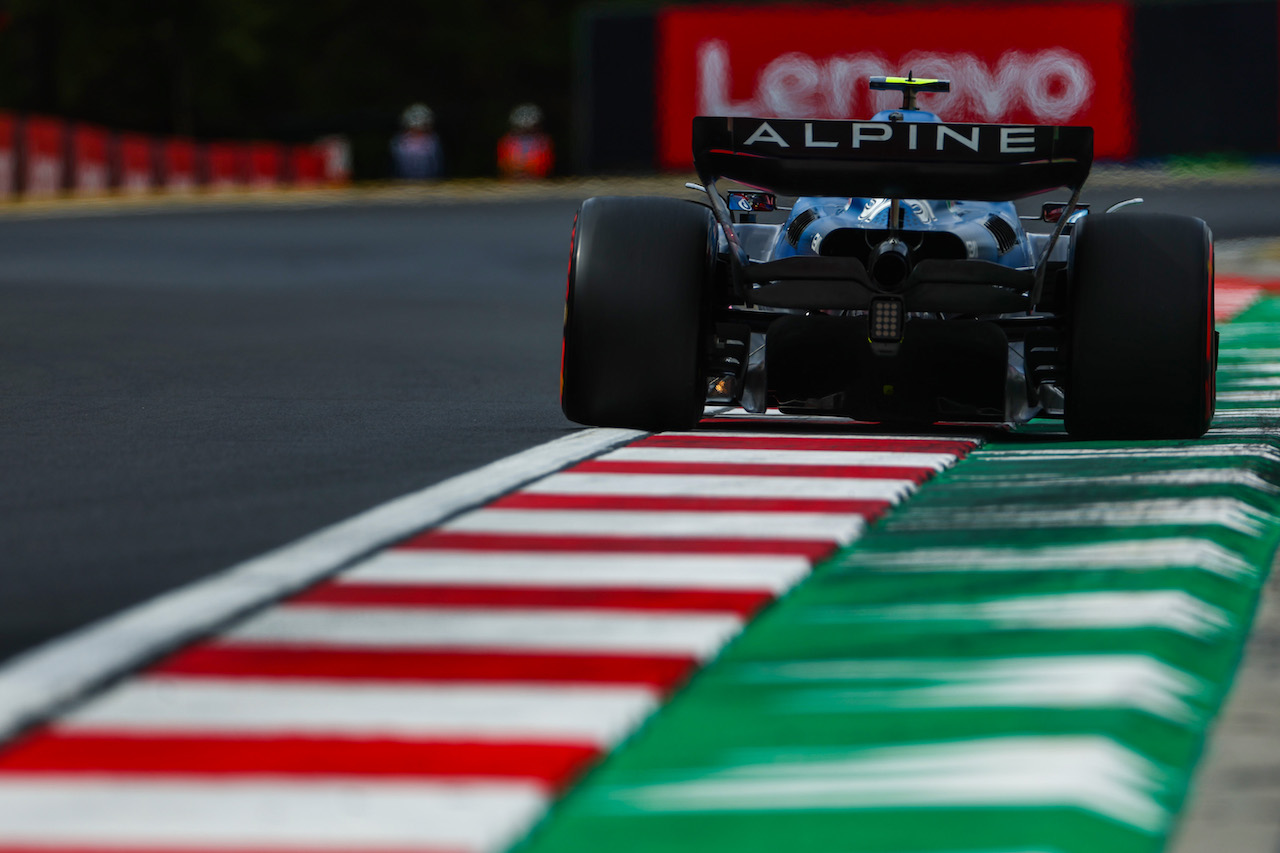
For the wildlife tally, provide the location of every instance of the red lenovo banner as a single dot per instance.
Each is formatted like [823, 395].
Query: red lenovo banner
[1055, 63]
[41, 141]
[90, 160]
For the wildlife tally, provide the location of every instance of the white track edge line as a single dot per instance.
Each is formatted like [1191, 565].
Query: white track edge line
[36, 683]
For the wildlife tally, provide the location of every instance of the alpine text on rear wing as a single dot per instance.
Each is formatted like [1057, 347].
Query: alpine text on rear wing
[899, 159]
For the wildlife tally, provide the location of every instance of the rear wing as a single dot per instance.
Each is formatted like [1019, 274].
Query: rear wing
[940, 160]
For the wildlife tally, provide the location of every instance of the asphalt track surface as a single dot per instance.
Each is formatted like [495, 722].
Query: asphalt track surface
[183, 390]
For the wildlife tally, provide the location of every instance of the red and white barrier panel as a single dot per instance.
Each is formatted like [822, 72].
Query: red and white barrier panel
[90, 160]
[266, 162]
[178, 164]
[307, 166]
[336, 150]
[132, 170]
[8, 155]
[43, 157]
[41, 143]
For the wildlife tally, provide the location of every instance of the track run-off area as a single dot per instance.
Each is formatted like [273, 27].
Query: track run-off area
[767, 632]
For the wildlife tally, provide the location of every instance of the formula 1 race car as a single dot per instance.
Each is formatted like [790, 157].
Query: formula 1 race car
[901, 288]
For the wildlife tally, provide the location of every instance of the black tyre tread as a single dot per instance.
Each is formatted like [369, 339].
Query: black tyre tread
[636, 313]
[1141, 327]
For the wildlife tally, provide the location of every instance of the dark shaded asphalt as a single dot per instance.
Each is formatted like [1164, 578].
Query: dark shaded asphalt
[1232, 212]
[183, 391]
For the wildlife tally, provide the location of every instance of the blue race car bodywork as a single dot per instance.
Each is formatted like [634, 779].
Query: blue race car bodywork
[900, 286]
[973, 223]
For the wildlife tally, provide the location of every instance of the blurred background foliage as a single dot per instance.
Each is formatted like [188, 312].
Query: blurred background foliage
[292, 70]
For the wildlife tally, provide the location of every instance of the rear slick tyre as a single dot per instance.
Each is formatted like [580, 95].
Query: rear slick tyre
[1141, 344]
[636, 313]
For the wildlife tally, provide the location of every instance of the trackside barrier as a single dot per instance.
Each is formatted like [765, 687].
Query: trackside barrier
[178, 165]
[8, 155]
[43, 157]
[90, 160]
[132, 169]
[308, 165]
[266, 164]
[1026, 656]
[40, 156]
[337, 155]
[223, 166]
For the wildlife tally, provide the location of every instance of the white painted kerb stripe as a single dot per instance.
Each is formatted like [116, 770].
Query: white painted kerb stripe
[1262, 368]
[1199, 451]
[543, 629]
[1173, 477]
[772, 573]
[661, 524]
[1226, 512]
[1248, 396]
[1137, 554]
[1172, 610]
[376, 816]
[725, 456]
[975, 440]
[596, 716]
[1086, 771]
[722, 486]
[1051, 682]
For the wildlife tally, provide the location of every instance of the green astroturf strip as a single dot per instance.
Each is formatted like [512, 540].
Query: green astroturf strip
[1023, 658]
